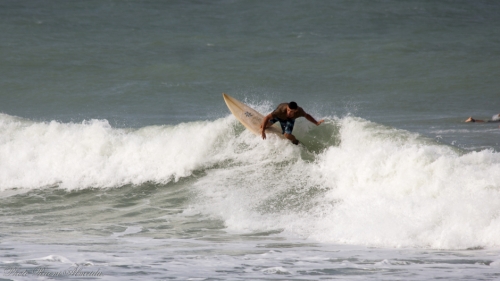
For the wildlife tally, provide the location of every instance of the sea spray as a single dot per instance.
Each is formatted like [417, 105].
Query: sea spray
[379, 186]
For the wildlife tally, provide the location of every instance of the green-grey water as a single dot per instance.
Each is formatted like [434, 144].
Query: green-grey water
[118, 156]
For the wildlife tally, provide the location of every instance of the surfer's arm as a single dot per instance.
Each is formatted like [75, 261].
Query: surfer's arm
[312, 120]
[264, 125]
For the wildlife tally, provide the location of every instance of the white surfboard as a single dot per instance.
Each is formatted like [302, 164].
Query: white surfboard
[249, 117]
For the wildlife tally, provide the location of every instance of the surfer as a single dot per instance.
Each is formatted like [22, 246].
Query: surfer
[495, 118]
[286, 113]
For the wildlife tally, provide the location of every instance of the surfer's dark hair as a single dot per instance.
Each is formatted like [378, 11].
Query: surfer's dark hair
[292, 105]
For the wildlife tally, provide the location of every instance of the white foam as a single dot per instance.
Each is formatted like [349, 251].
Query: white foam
[400, 191]
[54, 258]
[128, 231]
[380, 186]
[49, 258]
[93, 154]
[276, 270]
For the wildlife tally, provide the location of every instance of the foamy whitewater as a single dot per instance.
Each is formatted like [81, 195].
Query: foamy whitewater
[120, 161]
[368, 185]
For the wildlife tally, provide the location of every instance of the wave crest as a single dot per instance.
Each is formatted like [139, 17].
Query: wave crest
[93, 154]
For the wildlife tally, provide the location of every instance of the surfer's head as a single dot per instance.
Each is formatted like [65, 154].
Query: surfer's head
[291, 110]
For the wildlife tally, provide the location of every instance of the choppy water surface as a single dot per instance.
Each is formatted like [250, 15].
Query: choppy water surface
[120, 161]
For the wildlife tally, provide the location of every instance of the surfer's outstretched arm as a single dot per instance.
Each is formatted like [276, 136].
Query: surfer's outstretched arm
[312, 120]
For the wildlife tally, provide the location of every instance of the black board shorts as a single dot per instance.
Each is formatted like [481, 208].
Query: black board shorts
[286, 125]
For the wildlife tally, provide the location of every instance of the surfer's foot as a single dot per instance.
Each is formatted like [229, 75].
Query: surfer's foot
[296, 142]
[470, 120]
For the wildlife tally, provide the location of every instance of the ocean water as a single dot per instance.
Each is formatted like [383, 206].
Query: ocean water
[119, 159]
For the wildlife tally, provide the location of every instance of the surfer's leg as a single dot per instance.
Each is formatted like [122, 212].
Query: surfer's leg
[287, 130]
[288, 126]
[291, 138]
